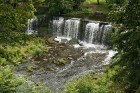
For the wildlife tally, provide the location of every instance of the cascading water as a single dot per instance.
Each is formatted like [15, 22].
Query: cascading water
[96, 34]
[91, 32]
[106, 34]
[71, 28]
[58, 26]
[32, 26]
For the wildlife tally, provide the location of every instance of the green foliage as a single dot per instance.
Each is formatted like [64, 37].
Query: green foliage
[14, 14]
[116, 1]
[116, 14]
[95, 1]
[61, 7]
[104, 8]
[76, 4]
[93, 7]
[14, 38]
[58, 7]
[92, 83]
[38, 1]
[83, 13]
[127, 42]
[8, 81]
[16, 47]
[82, 85]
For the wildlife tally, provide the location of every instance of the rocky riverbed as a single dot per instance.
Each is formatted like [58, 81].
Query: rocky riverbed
[62, 63]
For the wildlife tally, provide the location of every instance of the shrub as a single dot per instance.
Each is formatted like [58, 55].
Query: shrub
[8, 81]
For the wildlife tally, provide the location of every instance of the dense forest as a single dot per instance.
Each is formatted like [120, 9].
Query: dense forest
[18, 48]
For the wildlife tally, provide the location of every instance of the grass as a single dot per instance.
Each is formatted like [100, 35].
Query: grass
[92, 5]
[94, 1]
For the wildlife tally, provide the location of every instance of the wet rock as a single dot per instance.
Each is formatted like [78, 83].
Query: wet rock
[51, 39]
[73, 41]
[64, 40]
[45, 59]
[81, 44]
[49, 54]
[70, 58]
[57, 40]
[61, 46]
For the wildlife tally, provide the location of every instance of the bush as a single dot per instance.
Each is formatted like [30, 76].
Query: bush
[83, 13]
[93, 83]
[82, 85]
[8, 81]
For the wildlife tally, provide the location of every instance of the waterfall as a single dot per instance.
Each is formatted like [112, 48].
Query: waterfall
[58, 26]
[91, 32]
[95, 34]
[71, 28]
[32, 26]
[106, 34]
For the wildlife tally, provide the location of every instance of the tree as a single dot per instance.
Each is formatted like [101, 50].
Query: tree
[127, 42]
[15, 13]
[76, 4]
[116, 1]
[98, 2]
[61, 7]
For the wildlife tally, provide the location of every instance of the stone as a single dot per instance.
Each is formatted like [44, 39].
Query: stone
[45, 59]
[64, 40]
[73, 41]
[70, 58]
[61, 46]
[51, 39]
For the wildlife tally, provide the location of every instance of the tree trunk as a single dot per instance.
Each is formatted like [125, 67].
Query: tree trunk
[98, 2]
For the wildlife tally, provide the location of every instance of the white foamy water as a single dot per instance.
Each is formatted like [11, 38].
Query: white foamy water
[58, 26]
[71, 28]
[109, 56]
[89, 45]
[62, 38]
[32, 26]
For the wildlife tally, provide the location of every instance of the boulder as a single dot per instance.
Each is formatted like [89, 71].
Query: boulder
[51, 39]
[64, 40]
[73, 41]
